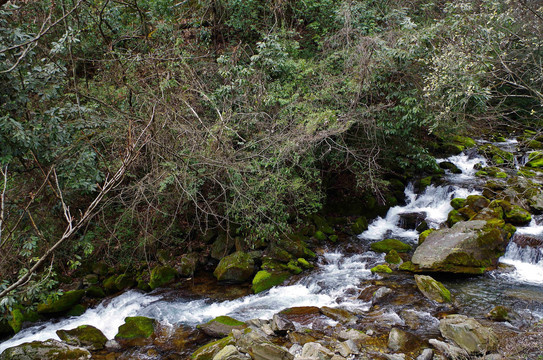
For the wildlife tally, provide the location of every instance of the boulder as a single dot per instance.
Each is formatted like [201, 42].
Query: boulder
[347, 348]
[360, 225]
[393, 258]
[470, 247]
[162, 275]
[85, 336]
[433, 289]
[314, 350]
[45, 350]
[399, 340]
[187, 265]
[381, 269]
[265, 280]
[468, 334]
[384, 246]
[64, 303]
[135, 331]
[280, 324]
[221, 326]
[235, 268]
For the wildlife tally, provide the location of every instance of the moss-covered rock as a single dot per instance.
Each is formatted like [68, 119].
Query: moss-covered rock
[458, 203]
[208, 351]
[464, 141]
[433, 289]
[424, 183]
[85, 336]
[360, 225]
[124, 281]
[392, 257]
[454, 217]
[187, 265]
[77, 310]
[293, 267]
[514, 213]
[304, 263]
[45, 350]
[296, 246]
[447, 165]
[16, 321]
[499, 313]
[265, 280]
[221, 326]
[109, 284]
[468, 247]
[319, 235]
[235, 268]
[384, 246]
[136, 327]
[382, 269]
[322, 224]
[64, 303]
[423, 235]
[100, 268]
[497, 155]
[162, 275]
[95, 291]
[222, 246]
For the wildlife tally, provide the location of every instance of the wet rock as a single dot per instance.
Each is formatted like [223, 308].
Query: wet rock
[468, 334]
[470, 247]
[514, 214]
[135, 331]
[381, 295]
[208, 351]
[393, 258]
[45, 350]
[304, 315]
[296, 246]
[64, 303]
[433, 289]
[229, 352]
[399, 340]
[341, 315]
[124, 281]
[447, 165]
[265, 280]
[235, 268]
[295, 349]
[347, 348]
[499, 313]
[384, 246]
[427, 354]
[162, 275]
[280, 324]
[354, 335]
[85, 336]
[221, 326]
[458, 203]
[394, 356]
[315, 350]
[411, 220]
[452, 352]
[95, 291]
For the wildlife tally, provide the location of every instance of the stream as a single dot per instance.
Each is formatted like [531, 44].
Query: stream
[341, 276]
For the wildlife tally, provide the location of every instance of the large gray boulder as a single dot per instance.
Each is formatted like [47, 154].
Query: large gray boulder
[45, 350]
[470, 247]
[468, 334]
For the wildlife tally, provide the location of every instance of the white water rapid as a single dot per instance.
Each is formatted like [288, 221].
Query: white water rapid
[337, 281]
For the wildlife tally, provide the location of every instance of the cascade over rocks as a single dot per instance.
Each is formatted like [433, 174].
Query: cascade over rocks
[469, 247]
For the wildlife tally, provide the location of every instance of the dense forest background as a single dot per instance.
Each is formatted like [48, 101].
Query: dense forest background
[132, 126]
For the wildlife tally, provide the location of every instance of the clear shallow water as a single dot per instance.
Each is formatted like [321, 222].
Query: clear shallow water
[340, 278]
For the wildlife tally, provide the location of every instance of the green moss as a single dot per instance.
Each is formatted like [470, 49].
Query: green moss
[136, 327]
[237, 267]
[464, 141]
[84, 335]
[458, 203]
[408, 266]
[360, 225]
[392, 257]
[425, 182]
[481, 173]
[162, 275]
[333, 238]
[517, 215]
[381, 269]
[95, 292]
[208, 351]
[308, 254]
[536, 163]
[124, 281]
[526, 172]
[227, 320]
[265, 280]
[454, 217]
[433, 289]
[304, 263]
[109, 284]
[64, 303]
[16, 320]
[384, 246]
[293, 267]
[424, 235]
[319, 235]
[77, 310]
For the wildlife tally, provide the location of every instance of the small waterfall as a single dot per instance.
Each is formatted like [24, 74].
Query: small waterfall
[525, 253]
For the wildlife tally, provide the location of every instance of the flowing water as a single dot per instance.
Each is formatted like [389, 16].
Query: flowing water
[341, 277]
